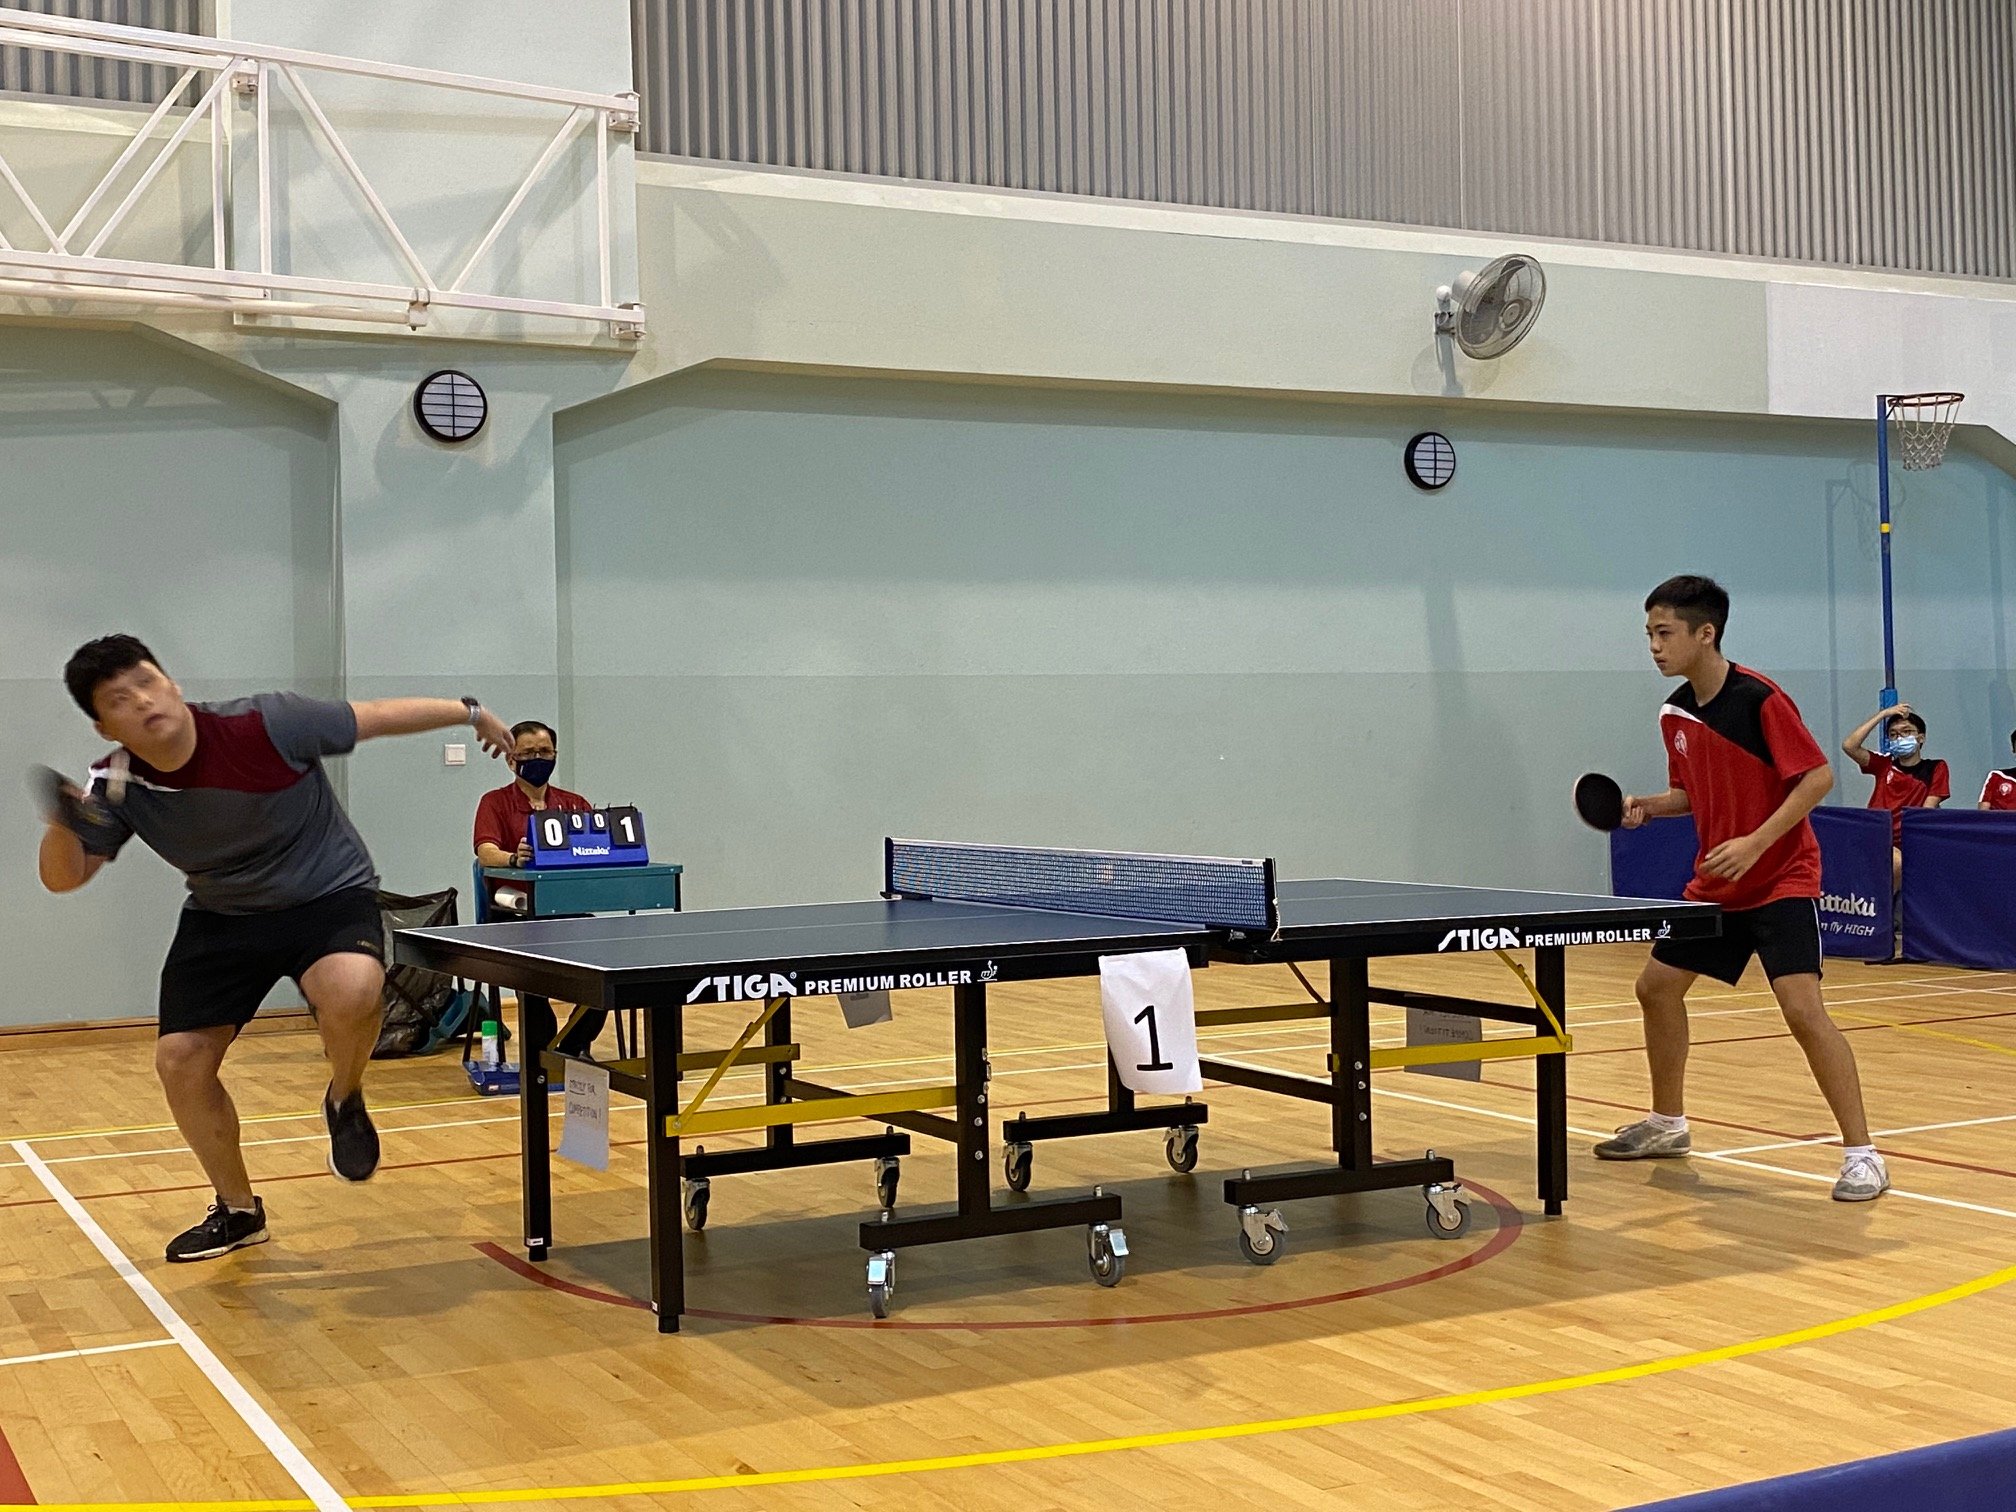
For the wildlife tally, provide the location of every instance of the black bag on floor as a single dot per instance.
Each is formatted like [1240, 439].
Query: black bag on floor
[423, 1009]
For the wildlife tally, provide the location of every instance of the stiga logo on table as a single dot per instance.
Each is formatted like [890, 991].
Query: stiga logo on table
[1505, 937]
[753, 986]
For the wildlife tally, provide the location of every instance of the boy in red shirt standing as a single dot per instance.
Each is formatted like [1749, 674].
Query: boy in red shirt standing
[1741, 760]
[1906, 778]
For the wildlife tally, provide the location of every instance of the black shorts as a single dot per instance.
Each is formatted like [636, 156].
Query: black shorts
[221, 966]
[1784, 936]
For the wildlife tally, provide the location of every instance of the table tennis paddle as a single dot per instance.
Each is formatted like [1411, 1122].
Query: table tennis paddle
[1599, 801]
[85, 817]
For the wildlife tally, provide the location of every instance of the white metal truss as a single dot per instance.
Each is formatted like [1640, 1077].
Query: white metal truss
[213, 72]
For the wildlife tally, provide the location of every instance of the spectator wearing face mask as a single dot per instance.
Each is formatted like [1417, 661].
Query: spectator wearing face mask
[1906, 778]
[501, 840]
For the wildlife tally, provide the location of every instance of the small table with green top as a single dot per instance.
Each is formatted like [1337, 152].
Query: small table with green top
[559, 892]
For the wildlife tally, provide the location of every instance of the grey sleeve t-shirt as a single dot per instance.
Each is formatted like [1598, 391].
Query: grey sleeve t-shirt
[251, 819]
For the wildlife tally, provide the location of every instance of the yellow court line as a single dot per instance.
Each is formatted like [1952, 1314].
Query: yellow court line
[1945, 1034]
[1415, 1407]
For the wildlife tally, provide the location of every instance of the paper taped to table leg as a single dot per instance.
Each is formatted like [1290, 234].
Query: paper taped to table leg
[1151, 1021]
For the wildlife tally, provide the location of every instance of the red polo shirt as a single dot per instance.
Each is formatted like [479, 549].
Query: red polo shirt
[501, 816]
[1902, 787]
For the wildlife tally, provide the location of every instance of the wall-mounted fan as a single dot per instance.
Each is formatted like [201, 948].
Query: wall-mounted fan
[1489, 311]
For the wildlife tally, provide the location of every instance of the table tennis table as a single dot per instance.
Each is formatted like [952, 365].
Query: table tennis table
[964, 917]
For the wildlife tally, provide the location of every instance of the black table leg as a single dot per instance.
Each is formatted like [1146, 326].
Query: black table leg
[535, 1032]
[663, 1035]
[1550, 1083]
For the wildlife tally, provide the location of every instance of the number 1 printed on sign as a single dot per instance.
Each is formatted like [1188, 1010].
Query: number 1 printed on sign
[1155, 1061]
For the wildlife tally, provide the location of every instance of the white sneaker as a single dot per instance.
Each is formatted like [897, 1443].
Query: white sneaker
[1863, 1179]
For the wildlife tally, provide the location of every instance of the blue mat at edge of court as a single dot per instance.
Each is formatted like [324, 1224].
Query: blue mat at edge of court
[1965, 1475]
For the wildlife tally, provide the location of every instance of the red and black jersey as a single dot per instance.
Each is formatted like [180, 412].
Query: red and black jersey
[1737, 758]
[1900, 787]
[1999, 791]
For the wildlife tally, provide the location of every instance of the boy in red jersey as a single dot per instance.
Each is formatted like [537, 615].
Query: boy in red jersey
[1905, 778]
[1741, 760]
[1998, 793]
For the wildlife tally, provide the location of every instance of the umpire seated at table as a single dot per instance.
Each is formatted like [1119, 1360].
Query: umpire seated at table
[501, 823]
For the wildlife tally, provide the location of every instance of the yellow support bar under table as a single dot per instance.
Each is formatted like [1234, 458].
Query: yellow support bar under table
[819, 1110]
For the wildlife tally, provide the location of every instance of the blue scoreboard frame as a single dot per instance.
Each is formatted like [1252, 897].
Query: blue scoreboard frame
[587, 837]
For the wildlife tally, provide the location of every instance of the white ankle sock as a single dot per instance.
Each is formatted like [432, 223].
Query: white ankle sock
[1851, 1151]
[1668, 1123]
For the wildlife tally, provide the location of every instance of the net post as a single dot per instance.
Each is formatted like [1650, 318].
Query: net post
[1889, 695]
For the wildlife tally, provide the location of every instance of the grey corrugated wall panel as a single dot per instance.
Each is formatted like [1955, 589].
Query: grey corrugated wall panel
[1860, 132]
[37, 71]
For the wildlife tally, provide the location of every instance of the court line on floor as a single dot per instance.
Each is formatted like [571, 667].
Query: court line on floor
[79, 1354]
[14, 1488]
[1865, 1026]
[1941, 986]
[1511, 1223]
[322, 1496]
[1931, 1128]
[1170, 1438]
[1725, 1158]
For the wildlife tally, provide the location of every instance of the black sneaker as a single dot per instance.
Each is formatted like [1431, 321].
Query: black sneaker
[353, 1142]
[221, 1232]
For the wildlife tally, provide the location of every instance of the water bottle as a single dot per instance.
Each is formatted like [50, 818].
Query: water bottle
[492, 1056]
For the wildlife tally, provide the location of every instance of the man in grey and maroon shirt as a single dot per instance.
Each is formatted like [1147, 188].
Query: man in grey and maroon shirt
[280, 885]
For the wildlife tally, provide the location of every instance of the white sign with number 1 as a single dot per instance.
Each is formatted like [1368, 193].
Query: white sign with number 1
[1151, 1021]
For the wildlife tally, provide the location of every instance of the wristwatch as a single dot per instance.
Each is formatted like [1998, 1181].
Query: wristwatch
[474, 706]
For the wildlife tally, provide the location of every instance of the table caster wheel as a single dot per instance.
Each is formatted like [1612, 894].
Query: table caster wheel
[695, 1204]
[1018, 1163]
[1179, 1147]
[1106, 1249]
[881, 1282]
[1262, 1236]
[1448, 1212]
[888, 1174]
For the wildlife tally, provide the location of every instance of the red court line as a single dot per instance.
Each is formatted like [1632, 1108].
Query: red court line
[14, 1488]
[1510, 1225]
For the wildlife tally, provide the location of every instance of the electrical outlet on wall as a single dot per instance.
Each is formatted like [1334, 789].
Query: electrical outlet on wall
[454, 754]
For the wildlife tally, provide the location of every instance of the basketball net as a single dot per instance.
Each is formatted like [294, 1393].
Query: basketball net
[1921, 425]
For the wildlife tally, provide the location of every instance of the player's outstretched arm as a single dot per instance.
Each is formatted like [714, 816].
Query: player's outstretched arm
[378, 717]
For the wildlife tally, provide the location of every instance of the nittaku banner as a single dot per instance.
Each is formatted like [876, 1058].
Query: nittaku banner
[1959, 906]
[1856, 920]
[1657, 860]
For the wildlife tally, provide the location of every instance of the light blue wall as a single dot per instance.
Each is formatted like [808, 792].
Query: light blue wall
[146, 489]
[798, 614]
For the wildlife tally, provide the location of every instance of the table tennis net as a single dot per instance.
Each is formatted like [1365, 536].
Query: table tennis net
[1208, 891]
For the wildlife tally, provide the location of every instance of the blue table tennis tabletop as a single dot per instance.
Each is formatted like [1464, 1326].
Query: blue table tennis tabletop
[599, 959]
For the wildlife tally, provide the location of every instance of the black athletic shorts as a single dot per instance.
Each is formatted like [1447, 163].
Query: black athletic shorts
[1784, 936]
[221, 966]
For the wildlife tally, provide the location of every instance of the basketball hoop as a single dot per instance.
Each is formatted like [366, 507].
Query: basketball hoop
[1923, 422]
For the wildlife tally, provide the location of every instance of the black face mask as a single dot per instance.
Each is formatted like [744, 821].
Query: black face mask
[537, 770]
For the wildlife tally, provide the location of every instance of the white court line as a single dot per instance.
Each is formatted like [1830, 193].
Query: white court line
[1931, 1128]
[1943, 986]
[255, 1417]
[1575, 1025]
[78, 1354]
[1724, 1156]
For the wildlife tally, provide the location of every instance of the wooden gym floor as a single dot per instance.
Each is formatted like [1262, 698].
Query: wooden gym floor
[1685, 1325]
